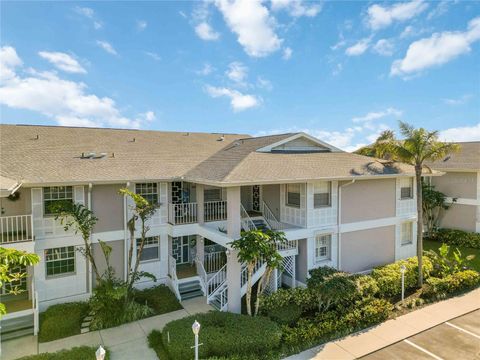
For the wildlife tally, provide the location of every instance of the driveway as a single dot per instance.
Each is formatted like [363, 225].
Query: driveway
[458, 338]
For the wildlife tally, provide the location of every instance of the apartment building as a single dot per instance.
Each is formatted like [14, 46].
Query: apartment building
[462, 182]
[338, 209]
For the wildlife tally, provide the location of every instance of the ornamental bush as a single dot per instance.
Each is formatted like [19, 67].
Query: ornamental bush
[457, 238]
[437, 288]
[285, 315]
[302, 297]
[62, 320]
[222, 334]
[388, 277]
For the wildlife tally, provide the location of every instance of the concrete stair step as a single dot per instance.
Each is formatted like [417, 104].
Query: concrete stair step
[191, 294]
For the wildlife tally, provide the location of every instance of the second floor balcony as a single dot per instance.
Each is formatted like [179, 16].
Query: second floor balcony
[17, 228]
[188, 213]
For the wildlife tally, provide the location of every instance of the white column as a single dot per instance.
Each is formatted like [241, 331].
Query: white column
[200, 248]
[233, 281]
[233, 212]
[200, 204]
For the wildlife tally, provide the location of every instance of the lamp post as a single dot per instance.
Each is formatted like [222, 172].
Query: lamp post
[196, 330]
[402, 270]
[100, 353]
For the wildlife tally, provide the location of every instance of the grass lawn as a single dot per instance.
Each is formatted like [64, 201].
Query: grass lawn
[78, 353]
[475, 263]
[61, 321]
[159, 298]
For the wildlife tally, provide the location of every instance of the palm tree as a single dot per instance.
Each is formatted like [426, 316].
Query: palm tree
[417, 147]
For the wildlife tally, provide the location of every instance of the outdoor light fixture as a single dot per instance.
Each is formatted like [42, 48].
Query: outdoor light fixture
[403, 268]
[196, 330]
[100, 353]
[227, 252]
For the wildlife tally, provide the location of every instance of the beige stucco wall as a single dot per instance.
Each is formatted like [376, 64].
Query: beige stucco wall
[362, 250]
[107, 206]
[457, 184]
[458, 216]
[117, 260]
[301, 262]
[368, 200]
[271, 196]
[22, 206]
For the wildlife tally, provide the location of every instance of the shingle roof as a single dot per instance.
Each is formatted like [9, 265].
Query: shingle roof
[50, 154]
[468, 158]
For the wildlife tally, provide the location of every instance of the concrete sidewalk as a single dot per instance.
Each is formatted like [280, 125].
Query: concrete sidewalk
[392, 331]
[125, 342]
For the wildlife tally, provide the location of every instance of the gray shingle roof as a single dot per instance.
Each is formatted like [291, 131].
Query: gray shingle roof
[468, 158]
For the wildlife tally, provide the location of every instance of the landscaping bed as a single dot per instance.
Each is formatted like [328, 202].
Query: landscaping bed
[465, 250]
[77, 353]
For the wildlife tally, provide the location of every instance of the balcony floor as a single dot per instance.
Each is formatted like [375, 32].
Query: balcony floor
[186, 271]
[15, 305]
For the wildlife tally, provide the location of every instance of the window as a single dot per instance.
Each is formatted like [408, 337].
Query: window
[322, 247]
[15, 285]
[150, 248]
[148, 191]
[212, 194]
[60, 260]
[406, 235]
[406, 188]
[56, 195]
[292, 193]
[322, 194]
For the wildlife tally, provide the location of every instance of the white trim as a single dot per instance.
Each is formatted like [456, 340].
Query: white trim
[296, 136]
[372, 224]
[463, 201]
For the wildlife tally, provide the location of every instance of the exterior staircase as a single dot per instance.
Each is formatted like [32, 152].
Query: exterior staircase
[190, 289]
[17, 327]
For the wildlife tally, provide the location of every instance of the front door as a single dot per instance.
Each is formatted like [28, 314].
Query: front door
[181, 249]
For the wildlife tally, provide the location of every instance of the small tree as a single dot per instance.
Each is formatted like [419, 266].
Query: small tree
[10, 259]
[83, 220]
[143, 211]
[433, 203]
[255, 246]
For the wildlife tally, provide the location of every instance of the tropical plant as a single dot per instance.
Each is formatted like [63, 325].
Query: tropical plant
[417, 147]
[446, 262]
[255, 246]
[10, 260]
[80, 219]
[332, 289]
[433, 203]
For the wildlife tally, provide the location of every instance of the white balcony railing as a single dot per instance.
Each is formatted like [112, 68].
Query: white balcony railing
[214, 261]
[185, 213]
[16, 229]
[215, 210]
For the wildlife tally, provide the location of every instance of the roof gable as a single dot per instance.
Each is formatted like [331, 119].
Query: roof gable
[299, 143]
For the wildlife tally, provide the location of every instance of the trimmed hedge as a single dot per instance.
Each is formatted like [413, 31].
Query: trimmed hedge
[457, 238]
[222, 334]
[285, 315]
[62, 320]
[76, 353]
[389, 278]
[441, 287]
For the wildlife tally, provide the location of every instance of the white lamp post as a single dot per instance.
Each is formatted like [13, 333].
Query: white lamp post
[196, 330]
[100, 353]
[402, 270]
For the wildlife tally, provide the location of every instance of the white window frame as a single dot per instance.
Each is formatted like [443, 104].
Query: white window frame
[323, 242]
[403, 182]
[287, 203]
[406, 233]
[54, 194]
[319, 189]
[63, 253]
[147, 191]
[151, 242]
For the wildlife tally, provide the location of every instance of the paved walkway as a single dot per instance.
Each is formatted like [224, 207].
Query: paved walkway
[125, 342]
[392, 331]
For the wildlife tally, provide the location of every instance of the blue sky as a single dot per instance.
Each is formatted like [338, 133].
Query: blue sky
[342, 71]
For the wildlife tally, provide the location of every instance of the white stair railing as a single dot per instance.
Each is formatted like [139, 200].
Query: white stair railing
[215, 210]
[36, 316]
[216, 281]
[16, 229]
[185, 213]
[202, 274]
[214, 261]
[287, 245]
[244, 271]
[172, 271]
[223, 295]
[246, 221]
[270, 217]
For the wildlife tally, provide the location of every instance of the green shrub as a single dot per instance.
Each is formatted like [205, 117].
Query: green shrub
[436, 288]
[222, 334]
[301, 297]
[388, 277]
[285, 315]
[446, 262]
[366, 286]
[318, 275]
[159, 298]
[62, 320]
[76, 353]
[457, 238]
[336, 289]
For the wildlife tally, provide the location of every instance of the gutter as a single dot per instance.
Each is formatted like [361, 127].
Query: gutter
[89, 270]
[339, 220]
[125, 231]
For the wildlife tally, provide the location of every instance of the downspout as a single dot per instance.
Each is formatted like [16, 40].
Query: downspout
[339, 217]
[125, 232]
[89, 207]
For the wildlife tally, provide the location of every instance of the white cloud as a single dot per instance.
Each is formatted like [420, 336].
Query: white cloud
[264, 83]
[65, 101]
[63, 62]
[287, 53]
[465, 133]
[153, 55]
[458, 101]
[375, 115]
[384, 47]
[107, 47]
[238, 101]
[141, 25]
[437, 50]
[253, 25]
[207, 69]
[379, 17]
[440, 9]
[337, 69]
[148, 116]
[297, 8]
[359, 48]
[90, 14]
[205, 32]
[237, 72]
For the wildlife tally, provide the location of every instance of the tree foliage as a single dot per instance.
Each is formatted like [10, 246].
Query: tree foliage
[433, 203]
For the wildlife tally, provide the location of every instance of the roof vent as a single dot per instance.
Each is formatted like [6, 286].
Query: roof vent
[221, 138]
[446, 159]
[88, 155]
